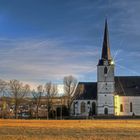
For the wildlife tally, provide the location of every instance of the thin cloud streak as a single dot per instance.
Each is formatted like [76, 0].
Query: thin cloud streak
[37, 59]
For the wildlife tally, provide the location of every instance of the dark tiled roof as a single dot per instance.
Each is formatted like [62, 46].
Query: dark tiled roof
[124, 86]
[86, 91]
[127, 85]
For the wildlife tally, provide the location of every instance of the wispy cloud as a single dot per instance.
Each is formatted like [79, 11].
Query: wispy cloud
[40, 60]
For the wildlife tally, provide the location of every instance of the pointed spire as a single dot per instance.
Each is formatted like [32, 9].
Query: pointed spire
[106, 55]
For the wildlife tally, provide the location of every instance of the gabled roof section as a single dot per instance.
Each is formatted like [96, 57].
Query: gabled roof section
[86, 91]
[127, 85]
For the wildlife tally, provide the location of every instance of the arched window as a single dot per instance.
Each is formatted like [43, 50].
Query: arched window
[121, 108]
[88, 102]
[83, 107]
[93, 108]
[106, 111]
[105, 70]
[131, 107]
[74, 108]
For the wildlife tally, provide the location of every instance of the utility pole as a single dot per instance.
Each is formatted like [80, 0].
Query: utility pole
[61, 109]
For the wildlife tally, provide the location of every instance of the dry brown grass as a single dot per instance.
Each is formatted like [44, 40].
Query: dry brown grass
[69, 129]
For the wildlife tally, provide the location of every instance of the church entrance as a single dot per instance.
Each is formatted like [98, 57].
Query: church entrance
[106, 111]
[93, 108]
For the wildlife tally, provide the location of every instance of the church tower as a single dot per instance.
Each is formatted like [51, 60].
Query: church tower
[105, 79]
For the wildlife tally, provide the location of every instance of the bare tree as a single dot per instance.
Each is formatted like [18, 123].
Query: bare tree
[18, 91]
[70, 83]
[80, 89]
[37, 98]
[3, 89]
[50, 92]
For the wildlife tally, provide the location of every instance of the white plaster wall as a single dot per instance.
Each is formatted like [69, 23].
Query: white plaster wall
[110, 110]
[105, 101]
[101, 76]
[104, 87]
[125, 101]
[105, 90]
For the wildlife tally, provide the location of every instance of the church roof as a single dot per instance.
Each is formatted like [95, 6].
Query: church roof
[86, 91]
[127, 85]
[124, 86]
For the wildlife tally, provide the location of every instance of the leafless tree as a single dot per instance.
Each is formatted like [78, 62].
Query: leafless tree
[18, 91]
[50, 92]
[80, 89]
[37, 98]
[3, 89]
[70, 83]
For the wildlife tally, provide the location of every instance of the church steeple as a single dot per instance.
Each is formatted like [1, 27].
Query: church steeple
[106, 55]
[105, 79]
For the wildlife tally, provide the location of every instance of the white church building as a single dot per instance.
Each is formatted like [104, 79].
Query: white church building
[110, 95]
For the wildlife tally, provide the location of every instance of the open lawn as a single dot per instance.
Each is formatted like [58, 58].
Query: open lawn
[69, 129]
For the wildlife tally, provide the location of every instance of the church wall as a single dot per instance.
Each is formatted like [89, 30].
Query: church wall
[124, 102]
[102, 77]
[76, 107]
[105, 101]
[104, 87]
[101, 111]
[105, 90]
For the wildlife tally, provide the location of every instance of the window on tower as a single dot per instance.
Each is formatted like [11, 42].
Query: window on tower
[106, 111]
[105, 70]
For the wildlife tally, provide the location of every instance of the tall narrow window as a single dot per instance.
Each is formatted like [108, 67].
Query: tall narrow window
[105, 70]
[83, 107]
[106, 111]
[131, 110]
[121, 108]
[74, 108]
[94, 108]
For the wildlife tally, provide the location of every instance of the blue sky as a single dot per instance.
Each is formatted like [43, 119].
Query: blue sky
[43, 40]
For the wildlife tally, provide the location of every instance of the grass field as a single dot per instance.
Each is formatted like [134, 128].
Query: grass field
[69, 129]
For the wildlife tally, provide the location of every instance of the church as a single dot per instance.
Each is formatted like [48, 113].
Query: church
[111, 95]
